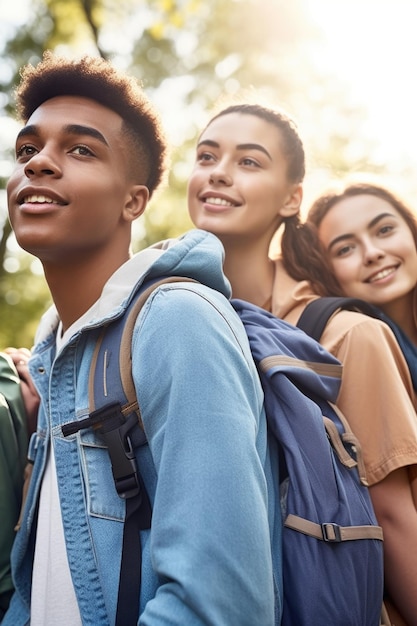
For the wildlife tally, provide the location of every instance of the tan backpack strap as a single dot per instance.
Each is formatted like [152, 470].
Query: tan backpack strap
[336, 442]
[351, 439]
[125, 352]
[125, 358]
[385, 618]
[333, 532]
[93, 368]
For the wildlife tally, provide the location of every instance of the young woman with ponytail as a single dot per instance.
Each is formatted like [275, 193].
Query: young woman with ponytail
[246, 185]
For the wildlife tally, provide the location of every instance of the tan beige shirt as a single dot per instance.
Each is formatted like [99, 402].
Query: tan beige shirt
[377, 394]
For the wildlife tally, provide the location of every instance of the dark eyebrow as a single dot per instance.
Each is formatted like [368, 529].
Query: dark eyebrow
[72, 129]
[241, 146]
[27, 130]
[378, 218]
[77, 129]
[254, 146]
[337, 240]
[372, 223]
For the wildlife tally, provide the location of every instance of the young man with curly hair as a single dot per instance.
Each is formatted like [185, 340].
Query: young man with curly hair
[89, 156]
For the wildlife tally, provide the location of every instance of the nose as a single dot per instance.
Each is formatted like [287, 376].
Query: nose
[372, 253]
[220, 176]
[42, 164]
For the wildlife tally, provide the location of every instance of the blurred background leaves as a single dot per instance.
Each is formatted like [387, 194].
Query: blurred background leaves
[189, 55]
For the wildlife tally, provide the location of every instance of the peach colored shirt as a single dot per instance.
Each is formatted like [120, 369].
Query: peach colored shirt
[377, 395]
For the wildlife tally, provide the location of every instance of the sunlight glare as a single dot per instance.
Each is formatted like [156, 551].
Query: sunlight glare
[372, 47]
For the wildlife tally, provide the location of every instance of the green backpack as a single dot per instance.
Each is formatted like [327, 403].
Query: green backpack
[13, 454]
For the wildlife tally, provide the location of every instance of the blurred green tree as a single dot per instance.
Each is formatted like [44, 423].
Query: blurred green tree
[189, 56]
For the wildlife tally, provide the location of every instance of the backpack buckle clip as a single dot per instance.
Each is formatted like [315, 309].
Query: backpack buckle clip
[331, 532]
[114, 428]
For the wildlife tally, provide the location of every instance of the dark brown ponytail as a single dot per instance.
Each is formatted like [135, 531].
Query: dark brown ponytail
[304, 258]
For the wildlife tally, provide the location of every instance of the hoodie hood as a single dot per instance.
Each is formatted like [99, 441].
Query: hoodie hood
[197, 254]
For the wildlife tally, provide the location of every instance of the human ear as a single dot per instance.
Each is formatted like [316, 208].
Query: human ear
[136, 202]
[292, 202]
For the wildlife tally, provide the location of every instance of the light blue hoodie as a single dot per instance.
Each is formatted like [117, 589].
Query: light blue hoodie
[208, 470]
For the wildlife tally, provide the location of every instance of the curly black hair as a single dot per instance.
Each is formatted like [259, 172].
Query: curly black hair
[97, 79]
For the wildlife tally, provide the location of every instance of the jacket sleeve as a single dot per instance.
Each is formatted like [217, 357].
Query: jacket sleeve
[13, 447]
[376, 395]
[202, 410]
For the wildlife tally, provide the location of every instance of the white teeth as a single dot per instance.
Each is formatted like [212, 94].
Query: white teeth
[382, 274]
[219, 201]
[36, 198]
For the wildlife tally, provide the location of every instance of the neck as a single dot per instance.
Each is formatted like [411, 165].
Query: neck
[250, 273]
[74, 289]
[402, 313]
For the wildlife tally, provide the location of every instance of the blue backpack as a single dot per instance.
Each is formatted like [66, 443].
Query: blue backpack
[332, 545]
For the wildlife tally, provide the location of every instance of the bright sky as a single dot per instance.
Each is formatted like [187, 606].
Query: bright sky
[372, 46]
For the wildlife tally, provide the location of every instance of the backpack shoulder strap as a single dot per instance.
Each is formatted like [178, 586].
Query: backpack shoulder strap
[114, 346]
[317, 313]
[115, 414]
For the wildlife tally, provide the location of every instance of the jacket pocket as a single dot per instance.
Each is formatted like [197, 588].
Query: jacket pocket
[102, 497]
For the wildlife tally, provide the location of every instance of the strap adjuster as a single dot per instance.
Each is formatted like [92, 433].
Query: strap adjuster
[331, 532]
[115, 428]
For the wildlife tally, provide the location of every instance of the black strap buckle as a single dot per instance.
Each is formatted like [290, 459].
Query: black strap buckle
[110, 422]
[115, 428]
[331, 532]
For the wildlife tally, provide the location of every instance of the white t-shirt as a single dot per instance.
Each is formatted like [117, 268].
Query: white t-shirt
[53, 597]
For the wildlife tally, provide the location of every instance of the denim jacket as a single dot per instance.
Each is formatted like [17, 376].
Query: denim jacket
[209, 472]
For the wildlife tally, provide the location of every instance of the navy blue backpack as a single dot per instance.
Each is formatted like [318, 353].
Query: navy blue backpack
[332, 545]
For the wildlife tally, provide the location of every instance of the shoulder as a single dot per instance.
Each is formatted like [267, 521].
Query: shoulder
[363, 343]
[188, 299]
[188, 312]
[189, 339]
[359, 331]
[374, 366]
[376, 394]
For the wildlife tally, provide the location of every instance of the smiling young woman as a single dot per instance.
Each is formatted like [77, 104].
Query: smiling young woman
[246, 179]
[370, 241]
[246, 183]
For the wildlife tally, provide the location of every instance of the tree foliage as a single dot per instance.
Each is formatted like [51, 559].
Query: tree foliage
[189, 55]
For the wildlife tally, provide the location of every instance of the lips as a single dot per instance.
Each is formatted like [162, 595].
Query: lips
[217, 200]
[41, 197]
[387, 271]
[38, 199]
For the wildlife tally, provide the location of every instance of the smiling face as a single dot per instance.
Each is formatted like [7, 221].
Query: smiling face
[372, 251]
[239, 186]
[70, 196]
